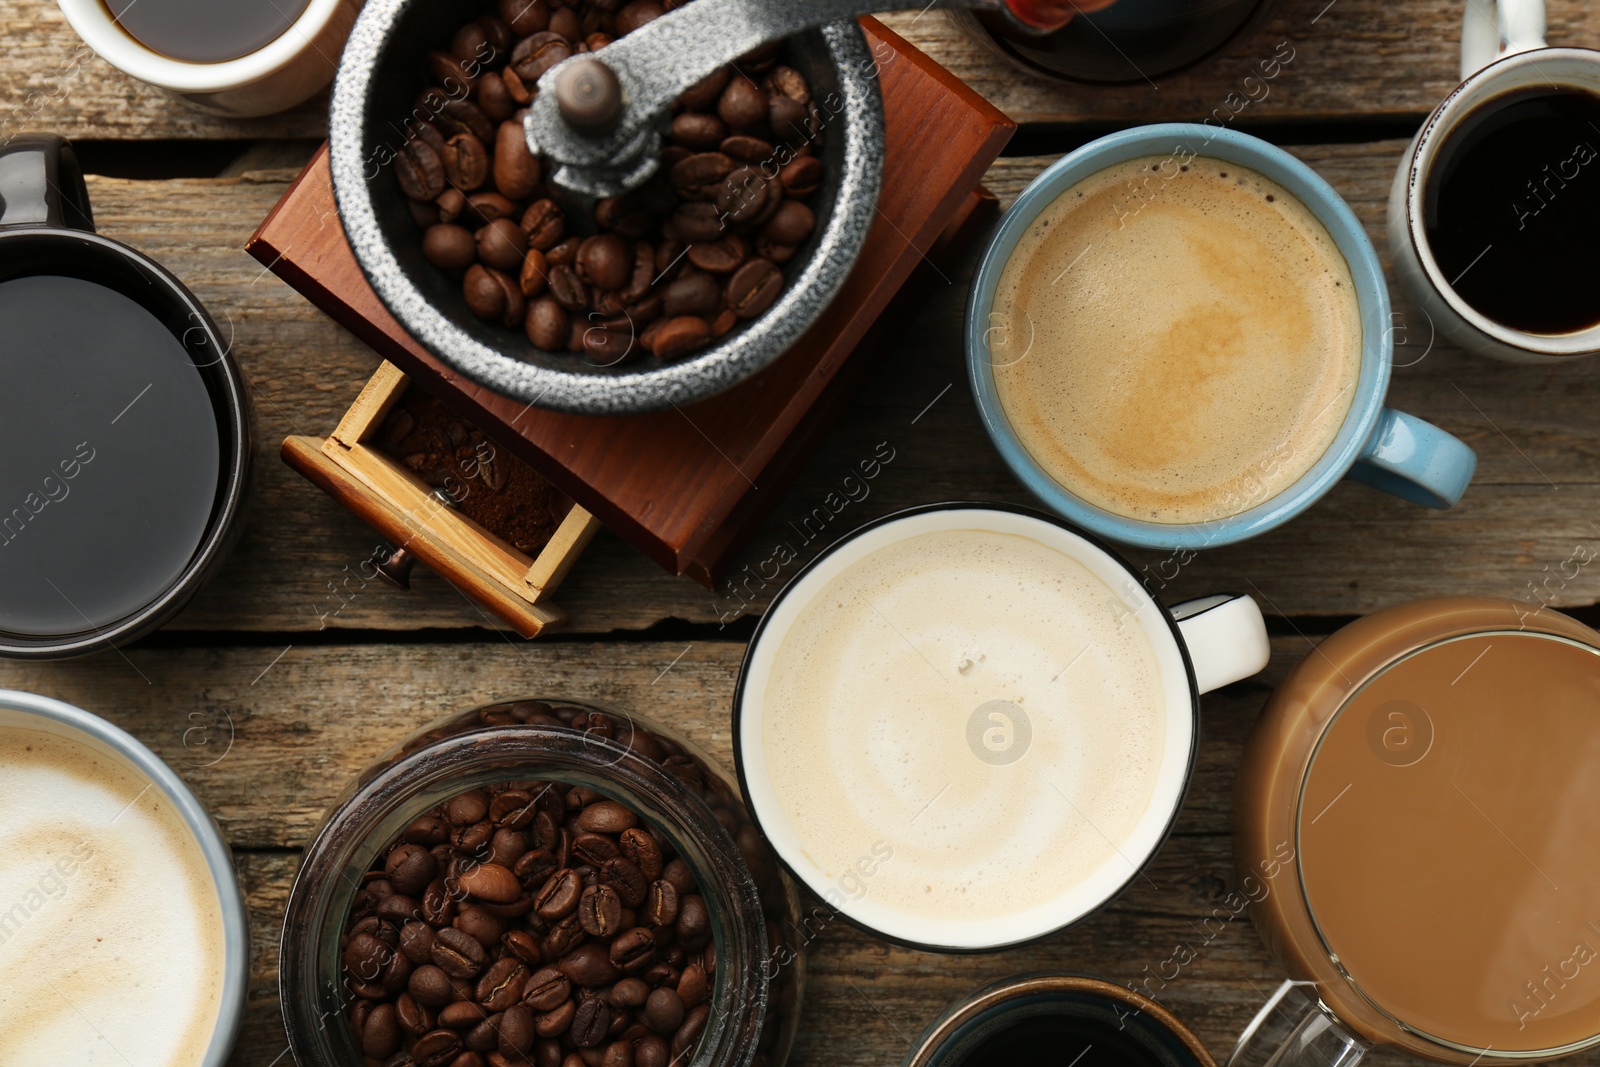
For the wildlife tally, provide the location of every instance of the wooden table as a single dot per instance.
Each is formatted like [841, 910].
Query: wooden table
[291, 672]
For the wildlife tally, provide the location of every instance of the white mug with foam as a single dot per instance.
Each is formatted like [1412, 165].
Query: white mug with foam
[1503, 49]
[290, 70]
[967, 726]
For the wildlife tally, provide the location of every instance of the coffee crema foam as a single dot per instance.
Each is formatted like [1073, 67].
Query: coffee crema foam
[866, 725]
[111, 939]
[1176, 343]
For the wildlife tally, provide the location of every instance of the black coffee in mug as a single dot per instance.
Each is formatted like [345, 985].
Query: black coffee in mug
[1512, 209]
[205, 31]
[124, 430]
[1058, 1039]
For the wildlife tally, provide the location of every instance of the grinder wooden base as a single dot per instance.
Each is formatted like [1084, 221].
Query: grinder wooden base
[689, 486]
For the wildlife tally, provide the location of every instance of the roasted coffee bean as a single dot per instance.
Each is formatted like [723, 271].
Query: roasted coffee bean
[462, 1015]
[489, 295]
[458, 954]
[466, 162]
[628, 880]
[694, 921]
[661, 904]
[533, 280]
[544, 224]
[436, 1048]
[557, 1020]
[698, 131]
[416, 941]
[463, 116]
[501, 245]
[589, 965]
[484, 206]
[682, 878]
[745, 196]
[568, 289]
[517, 172]
[507, 846]
[637, 844]
[722, 256]
[746, 149]
[743, 106]
[448, 248]
[663, 1012]
[618, 1054]
[547, 989]
[638, 13]
[380, 1036]
[688, 1034]
[791, 224]
[697, 220]
[563, 934]
[565, 21]
[491, 882]
[591, 1023]
[474, 839]
[607, 817]
[425, 830]
[594, 849]
[517, 1031]
[413, 1018]
[547, 327]
[674, 339]
[365, 955]
[450, 72]
[523, 945]
[534, 55]
[801, 177]
[396, 909]
[559, 894]
[634, 950]
[754, 287]
[779, 254]
[600, 911]
[651, 1051]
[467, 808]
[469, 1059]
[502, 984]
[607, 347]
[513, 809]
[787, 118]
[605, 261]
[485, 1037]
[495, 98]
[470, 43]
[451, 204]
[525, 16]
[430, 985]
[419, 171]
[703, 171]
[410, 867]
[704, 94]
[626, 216]
[693, 985]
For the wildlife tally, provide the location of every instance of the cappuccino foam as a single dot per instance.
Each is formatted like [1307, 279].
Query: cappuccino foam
[1176, 343]
[111, 937]
[869, 744]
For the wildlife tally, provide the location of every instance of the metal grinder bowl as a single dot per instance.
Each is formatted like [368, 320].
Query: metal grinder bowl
[379, 79]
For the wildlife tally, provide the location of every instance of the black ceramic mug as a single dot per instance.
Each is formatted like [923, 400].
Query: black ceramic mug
[124, 423]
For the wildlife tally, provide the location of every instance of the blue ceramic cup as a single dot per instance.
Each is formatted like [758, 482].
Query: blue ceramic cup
[1384, 448]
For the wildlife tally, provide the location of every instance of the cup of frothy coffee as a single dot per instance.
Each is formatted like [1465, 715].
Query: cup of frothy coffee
[123, 936]
[1180, 337]
[967, 726]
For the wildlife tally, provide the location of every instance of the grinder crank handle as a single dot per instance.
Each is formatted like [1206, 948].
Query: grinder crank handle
[597, 115]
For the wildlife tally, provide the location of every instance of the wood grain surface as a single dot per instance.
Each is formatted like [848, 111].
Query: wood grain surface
[268, 744]
[1353, 59]
[1535, 498]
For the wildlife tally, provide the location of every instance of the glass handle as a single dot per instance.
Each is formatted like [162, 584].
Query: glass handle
[1293, 1029]
[41, 184]
[1491, 29]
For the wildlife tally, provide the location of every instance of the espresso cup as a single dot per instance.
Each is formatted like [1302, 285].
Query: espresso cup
[1420, 800]
[1503, 52]
[1387, 449]
[287, 70]
[124, 422]
[122, 929]
[967, 726]
[1057, 1018]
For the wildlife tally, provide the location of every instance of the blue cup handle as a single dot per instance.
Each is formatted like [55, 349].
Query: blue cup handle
[1415, 460]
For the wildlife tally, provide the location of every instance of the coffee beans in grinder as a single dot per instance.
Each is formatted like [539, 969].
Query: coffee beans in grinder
[665, 270]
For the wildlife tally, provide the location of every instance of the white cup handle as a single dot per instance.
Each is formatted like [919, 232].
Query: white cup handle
[1491, 29]
[1226, 636]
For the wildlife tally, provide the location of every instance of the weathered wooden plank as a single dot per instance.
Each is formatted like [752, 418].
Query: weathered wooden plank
[299, 567]
[305, 726]
[1351, 59]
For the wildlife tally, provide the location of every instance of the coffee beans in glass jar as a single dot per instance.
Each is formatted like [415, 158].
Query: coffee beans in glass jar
[663, 271]
[523, 924]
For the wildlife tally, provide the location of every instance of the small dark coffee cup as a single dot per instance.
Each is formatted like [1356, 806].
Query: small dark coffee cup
[1058, 1018]
[124, 423]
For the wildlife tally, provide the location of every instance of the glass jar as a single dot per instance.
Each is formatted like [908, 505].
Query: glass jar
[674, 786]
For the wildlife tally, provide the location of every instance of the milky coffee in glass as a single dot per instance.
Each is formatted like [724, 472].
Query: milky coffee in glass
[111, 931]
[1176, 342]
[1435, 769]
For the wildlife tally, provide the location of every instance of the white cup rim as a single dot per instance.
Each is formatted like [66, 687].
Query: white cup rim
[973, 933]
[235, 918]
[92, 21]
[1466, 98]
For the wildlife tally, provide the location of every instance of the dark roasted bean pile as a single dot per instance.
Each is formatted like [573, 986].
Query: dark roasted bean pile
[666, 270]
[529, 923]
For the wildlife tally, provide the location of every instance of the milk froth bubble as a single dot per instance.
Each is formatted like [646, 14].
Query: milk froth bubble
[865, 716]
[1176, 342]
[111, 930]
